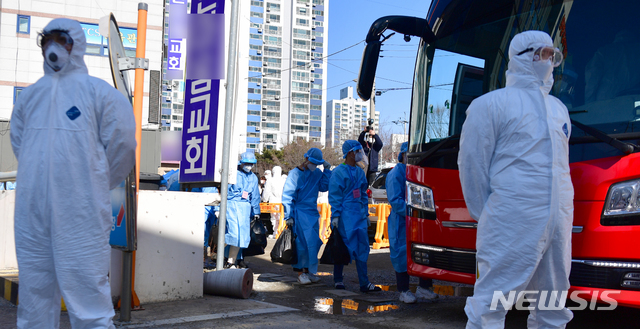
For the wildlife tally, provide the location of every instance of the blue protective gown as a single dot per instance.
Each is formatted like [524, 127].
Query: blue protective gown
[397, 222]
[353, 212]
[210, 218]
[243, 203]
[299, 199]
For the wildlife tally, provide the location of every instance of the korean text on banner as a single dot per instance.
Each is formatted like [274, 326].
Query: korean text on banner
[205, 68]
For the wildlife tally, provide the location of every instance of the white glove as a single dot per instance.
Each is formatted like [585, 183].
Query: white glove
[334, 221]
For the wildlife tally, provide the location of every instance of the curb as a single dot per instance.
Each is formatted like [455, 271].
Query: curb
[9, 287]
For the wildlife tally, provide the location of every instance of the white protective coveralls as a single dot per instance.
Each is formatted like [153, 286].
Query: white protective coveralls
[273, 193]
[514, 170]
[74, 138]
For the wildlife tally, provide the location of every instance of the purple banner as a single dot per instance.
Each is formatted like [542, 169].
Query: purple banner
[176, 48]
[205, 58]
[207, 6]
[199, 131]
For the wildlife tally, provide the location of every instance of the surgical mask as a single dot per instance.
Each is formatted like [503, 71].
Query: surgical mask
[359, 156]
[247, 168]
[543, 69]
[312, 166]
[56, 56]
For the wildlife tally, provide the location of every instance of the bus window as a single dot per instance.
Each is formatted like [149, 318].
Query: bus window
[466, 88]
[456, 80]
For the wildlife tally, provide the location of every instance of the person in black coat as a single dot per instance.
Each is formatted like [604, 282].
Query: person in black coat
[372, 144]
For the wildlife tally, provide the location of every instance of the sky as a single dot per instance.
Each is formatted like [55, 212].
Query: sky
[349, 22]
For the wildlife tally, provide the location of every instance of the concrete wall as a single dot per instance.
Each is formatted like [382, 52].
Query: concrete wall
[170, 241]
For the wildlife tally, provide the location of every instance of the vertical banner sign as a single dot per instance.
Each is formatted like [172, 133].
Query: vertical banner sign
[176, 47]
[204, 69]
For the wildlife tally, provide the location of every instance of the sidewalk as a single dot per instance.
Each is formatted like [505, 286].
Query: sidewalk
[154, 315]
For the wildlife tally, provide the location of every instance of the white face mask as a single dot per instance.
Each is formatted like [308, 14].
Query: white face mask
[543, 69]
[312, 166]
[247, 168]
[56, 56]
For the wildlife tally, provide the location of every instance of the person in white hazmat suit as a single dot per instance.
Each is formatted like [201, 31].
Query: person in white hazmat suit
[273, 194]
[514, 171]
[74, 138]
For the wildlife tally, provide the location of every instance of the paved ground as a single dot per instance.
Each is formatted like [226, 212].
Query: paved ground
[278, 301]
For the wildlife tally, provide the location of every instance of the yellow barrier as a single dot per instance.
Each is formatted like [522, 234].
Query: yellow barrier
[382, 228]
[324, 209]
[275, 208]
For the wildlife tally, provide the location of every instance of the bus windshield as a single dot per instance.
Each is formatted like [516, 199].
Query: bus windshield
[598, 81]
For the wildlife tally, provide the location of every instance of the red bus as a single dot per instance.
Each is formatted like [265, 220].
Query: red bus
[463, 53]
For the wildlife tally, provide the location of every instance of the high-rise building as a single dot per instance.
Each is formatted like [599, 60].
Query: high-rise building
[347, 117]
[287, 74]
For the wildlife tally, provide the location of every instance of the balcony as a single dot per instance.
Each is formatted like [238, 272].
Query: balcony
[300, 99]
[271, 108]
[271, 119]
[303, 89]
[271, 64]
[272, 32]
[270, 97]
[273, 54]
[273, 43]
[302, 36]
[299, 46]
[302, 57]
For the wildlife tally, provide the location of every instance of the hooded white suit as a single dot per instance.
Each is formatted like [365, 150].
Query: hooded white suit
[273, 193]
[514, 170]
[74, 138]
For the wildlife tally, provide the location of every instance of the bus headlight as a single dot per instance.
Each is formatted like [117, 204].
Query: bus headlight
[623, 199]
[420, 197]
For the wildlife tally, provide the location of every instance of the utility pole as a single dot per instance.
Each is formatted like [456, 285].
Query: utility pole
[228, 118]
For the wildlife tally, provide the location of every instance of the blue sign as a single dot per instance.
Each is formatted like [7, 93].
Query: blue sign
[205, 59]
[176, 47]
[118, 237]
[92, 34]
[199, 131]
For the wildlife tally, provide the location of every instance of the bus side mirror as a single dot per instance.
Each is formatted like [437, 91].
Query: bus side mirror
[368, 67]
[409, 26]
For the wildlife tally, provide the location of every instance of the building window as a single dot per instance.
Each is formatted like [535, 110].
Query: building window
[24, 24]
[16, 93]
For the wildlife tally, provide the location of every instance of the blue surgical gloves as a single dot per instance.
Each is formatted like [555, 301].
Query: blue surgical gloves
[334, 221]
[326, 164]
[290, 222]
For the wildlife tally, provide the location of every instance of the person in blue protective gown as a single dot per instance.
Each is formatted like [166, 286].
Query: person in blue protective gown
[243, 204]
[210, 218]
[74, 138]
[396, 191]
[349, 213]
[301, 211]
